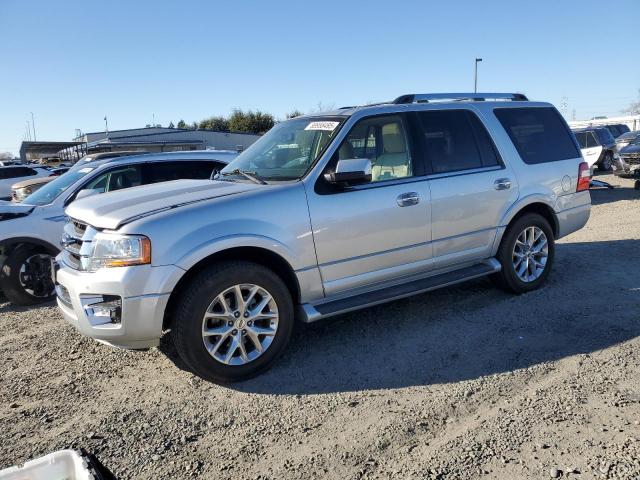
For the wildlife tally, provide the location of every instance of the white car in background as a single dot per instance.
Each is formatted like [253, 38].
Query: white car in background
[16, 173]
[30, 231]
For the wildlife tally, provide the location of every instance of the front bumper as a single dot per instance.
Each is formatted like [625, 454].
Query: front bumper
[142, 308]
[627, 166]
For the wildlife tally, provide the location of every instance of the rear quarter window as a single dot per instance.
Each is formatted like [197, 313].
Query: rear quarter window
[539, 134]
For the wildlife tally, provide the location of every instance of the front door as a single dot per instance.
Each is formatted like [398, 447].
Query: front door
[378, 231]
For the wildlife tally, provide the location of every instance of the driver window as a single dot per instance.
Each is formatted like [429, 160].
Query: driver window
[383, 141]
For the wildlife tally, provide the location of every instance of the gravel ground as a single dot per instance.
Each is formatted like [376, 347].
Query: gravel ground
[462, 383]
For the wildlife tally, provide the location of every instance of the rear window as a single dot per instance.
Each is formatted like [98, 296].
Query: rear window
[539, 134]
[16, 172]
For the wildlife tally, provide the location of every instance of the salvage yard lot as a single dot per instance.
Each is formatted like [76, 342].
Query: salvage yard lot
[466, 382]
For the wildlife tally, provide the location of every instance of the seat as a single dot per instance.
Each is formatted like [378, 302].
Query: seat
[394, 161]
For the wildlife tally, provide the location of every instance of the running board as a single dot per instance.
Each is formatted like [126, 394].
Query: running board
[310, 313]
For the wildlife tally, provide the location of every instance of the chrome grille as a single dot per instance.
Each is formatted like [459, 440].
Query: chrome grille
[631, 158]
[76, 243]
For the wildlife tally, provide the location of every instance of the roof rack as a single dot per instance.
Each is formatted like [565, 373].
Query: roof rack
[458, 97]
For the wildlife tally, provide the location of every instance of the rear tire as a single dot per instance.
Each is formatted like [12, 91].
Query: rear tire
[606, 163]
[521, 271]
[210, 303]
[25, 276]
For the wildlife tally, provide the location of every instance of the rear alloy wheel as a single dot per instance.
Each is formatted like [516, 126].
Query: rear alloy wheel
[25, 277]
[526, 254]
[232, 321]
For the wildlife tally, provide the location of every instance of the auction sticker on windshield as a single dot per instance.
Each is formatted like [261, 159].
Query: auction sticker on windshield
[330, 126]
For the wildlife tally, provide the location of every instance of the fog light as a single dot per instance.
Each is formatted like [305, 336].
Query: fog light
[109, 309]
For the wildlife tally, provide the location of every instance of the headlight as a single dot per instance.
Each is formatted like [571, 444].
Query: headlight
[24, 192]
[115, 250]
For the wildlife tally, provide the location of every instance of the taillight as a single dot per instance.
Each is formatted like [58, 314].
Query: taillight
[584, 177]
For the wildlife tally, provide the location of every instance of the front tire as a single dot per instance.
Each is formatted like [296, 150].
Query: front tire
[526, 254]
[232, 321]
[25, 276]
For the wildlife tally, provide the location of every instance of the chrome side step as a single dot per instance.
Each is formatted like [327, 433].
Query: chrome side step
[311, 313]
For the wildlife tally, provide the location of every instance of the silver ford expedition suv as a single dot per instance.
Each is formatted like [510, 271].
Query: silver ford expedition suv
[325, 214]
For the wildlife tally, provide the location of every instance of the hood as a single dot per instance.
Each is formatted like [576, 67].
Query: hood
[112, 210]
[33, 181]
[10, 210]
[631, 148]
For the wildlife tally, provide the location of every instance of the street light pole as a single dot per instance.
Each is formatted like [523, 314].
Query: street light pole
[33, 125]
[475, 76]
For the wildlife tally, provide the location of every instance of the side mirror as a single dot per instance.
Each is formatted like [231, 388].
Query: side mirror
[352, 171]
[88, 192]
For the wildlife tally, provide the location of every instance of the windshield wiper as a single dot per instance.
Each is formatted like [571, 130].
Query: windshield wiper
[253, 176]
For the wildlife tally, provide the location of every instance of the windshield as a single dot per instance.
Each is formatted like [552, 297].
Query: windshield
[49, 192]
[288, 150]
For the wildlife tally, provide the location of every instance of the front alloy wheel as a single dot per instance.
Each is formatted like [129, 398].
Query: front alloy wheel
[232, 320]
[240, 324]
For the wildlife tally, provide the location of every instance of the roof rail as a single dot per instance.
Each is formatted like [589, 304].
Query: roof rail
[458, 97]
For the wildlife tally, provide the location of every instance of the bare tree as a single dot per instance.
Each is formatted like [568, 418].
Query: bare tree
[634, 107]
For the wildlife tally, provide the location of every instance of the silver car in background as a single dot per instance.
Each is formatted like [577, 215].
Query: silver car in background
[30, 231]
[325, 214]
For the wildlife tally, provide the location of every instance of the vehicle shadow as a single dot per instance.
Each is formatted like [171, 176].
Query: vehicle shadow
[607, 195]
[589, 303]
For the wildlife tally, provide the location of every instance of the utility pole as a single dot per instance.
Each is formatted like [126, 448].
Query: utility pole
[28, 131]
[33, 125]
[475, 76]
[106, 127]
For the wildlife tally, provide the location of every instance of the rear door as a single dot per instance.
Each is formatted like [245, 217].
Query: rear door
[471, 188]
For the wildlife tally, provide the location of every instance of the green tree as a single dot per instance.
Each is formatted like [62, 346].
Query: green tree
[194, 126]
[295, 113]
[171, 125]
[182, 124]
[250, 121]
[214, 123]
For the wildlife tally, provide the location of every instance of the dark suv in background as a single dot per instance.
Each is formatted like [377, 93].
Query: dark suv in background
[598, 137]
[617, 129]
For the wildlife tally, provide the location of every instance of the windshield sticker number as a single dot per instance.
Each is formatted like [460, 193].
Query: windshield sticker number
[329, 126]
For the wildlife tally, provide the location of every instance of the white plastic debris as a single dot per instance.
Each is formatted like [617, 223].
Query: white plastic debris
[60, 465]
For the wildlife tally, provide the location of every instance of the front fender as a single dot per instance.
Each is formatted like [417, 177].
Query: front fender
[206, 249]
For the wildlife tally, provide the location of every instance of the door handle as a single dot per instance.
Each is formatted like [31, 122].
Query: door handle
[502, 184]
[408, 199]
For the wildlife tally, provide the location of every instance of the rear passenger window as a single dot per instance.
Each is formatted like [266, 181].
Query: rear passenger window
[16, 172]
[538, 133]
[581, 137]
[456, 140]
[591, 140]
[166, 171]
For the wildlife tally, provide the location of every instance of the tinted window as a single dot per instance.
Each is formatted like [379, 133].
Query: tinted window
[592, 141]
[456, 140]
[166, 171]
[539, 134]
[382, 140]
[605, 135]
[15, 172]
[116, 179]
[581, 137]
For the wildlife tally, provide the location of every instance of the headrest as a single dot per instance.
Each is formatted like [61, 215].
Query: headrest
[392, 138]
